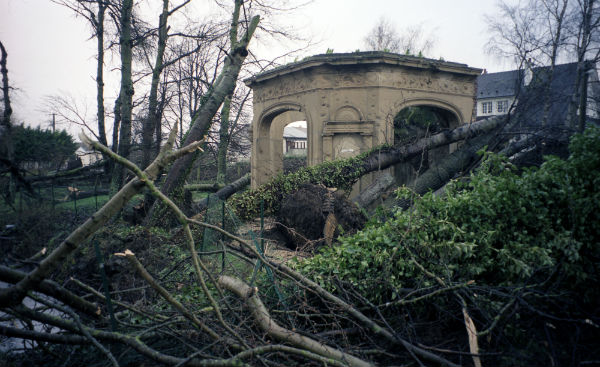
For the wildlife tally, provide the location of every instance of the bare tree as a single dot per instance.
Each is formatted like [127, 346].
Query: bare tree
[555, 20]
[415, 39]
[411, 40]
[516, 33]
[223, 86]
[382, 37]
[154, 112]
[6, 144]
[126, 94]
[544, 33]
[94, 11]
[584, 40]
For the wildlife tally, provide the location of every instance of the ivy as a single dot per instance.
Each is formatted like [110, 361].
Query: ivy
[341, 174]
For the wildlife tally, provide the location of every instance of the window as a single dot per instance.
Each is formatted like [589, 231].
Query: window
[297, 144]
[502, 106]
[487, 107]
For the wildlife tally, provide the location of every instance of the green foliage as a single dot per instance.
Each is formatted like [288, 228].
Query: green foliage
[500, 228]
[329, 51]
[341, 174]
[414, 122]
[42, 146]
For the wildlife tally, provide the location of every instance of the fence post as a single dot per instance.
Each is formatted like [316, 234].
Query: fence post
[75, 202]
[100, 259]
[206, 220]
[20, 212]
[52, 188]
[96, 191]
[262, 225]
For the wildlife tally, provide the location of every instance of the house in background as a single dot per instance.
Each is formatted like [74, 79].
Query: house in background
[87, 156]
[294, 140]
[496, 92]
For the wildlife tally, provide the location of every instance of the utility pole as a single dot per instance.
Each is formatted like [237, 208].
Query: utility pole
[53, 123]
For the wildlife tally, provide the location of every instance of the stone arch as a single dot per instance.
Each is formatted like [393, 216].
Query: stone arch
[450, 117]
[267, 149]
[348, 113]
[455, 112]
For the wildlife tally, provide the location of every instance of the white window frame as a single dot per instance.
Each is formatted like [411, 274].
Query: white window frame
[502, 106]
[487, 107]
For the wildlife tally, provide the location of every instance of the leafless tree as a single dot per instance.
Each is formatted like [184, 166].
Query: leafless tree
[126, 93]
[411, 40]
[94, 11]
[383, 36]
[545, 33]
[6, 144]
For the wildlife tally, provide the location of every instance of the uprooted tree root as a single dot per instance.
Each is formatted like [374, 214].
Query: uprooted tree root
[306, 214]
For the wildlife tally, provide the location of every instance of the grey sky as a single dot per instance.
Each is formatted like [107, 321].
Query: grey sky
[50, 51]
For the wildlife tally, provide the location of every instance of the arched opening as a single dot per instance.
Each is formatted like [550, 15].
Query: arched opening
[295, 146]
[413, 123]
[283, 139]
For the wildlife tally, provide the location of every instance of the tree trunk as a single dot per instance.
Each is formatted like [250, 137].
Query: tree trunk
[556, 44]
[268, 325]
[224, 193]
[374, 190]
[443, 171]
[6, 143]
[154, 115]
[116, 124]
[379, 160]
[223, 86]
[126, 94]
[223, 140]
[100, 71]
[583, 44]
[583, 98]
[214, 187]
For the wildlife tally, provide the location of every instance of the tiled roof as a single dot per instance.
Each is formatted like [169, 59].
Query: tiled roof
[492, 85]
[506, 83]
[294, 132]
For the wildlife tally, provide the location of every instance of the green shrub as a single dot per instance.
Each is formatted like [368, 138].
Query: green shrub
[499, 228]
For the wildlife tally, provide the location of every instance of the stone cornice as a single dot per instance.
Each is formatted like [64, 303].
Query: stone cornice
[365, 58]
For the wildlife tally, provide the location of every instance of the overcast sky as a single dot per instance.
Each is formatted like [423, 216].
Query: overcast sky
[50, 51]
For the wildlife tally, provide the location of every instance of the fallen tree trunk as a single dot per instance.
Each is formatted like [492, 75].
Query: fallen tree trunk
[270, 326]
[52, 289]
[374, 190]
[343, 174]
[220, 89]
[225, 192]
[85, 194]
[446, 169]
[70, 173]
[388, 157]
[212, 187]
